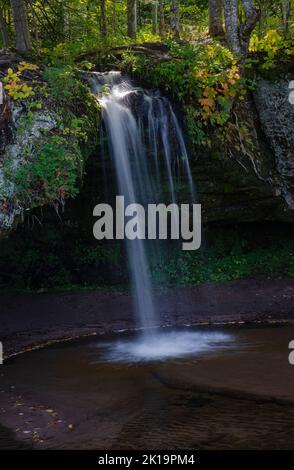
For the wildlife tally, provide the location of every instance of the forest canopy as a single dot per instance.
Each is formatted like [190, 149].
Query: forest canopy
[73, 27]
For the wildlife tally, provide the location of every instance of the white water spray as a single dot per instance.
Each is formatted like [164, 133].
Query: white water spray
[148, 150]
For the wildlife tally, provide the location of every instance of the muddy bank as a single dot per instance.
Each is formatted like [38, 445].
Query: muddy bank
[34, 319]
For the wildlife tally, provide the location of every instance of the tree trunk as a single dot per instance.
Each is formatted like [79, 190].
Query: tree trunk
[22, 33]
[132, 18]
[103, 20]
[216, 27]
[238, 35]
[232, 25]
[174, 18]
[113, 16]
[155, 16]
[161, 19]
[251, 18]
[286, 14]
[66, 22]
[3, 27]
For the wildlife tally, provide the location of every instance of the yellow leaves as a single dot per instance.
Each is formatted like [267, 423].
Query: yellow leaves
[218, 92]
[273, 36]
[201, 73]
[26, 66]
[270, 43]
[15, 87]
[11, 76]
[254, 43]
[19, 90]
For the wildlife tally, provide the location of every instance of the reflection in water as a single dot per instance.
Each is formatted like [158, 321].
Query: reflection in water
[75, 397]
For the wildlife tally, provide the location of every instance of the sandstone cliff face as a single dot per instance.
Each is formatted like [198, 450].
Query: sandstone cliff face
[248, 175]
[18, 143]
[276, 115]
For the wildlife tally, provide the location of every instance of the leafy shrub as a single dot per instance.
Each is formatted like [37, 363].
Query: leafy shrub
[274, 48]
[53, 173]
[16, 88]
[205, 78]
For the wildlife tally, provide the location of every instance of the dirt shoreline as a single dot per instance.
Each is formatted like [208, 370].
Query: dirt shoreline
[34, 320]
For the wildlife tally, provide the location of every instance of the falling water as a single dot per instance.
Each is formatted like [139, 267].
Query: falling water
[148, 150]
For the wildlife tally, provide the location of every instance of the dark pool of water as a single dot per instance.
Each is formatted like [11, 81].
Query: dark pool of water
[235, 391]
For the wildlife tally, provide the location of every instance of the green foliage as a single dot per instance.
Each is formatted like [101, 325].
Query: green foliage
[16, 88]
[52, 163]
[77, 107]
[274, 49]
[134, 63]
[67, 89]
[52, 174]
[219, 265]
[74, 261]
[54, 256]
[204, 78]
[195, 128]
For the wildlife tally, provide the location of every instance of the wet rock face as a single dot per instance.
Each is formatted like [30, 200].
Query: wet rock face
[15, 152]
[276, 114]
[249, 173]
[275, 109]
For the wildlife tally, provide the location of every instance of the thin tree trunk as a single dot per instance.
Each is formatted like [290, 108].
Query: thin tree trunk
[4, 32]
[232, 25]
[103, 20]
[286, 14]
[132, 18]
[262, 18]
[155, 16]
[37, 36]
[216, 27]
[251, 16]
[251, 19]
[22, 33]
[161, 19]
[66, 22]
[113, 16]
[238, 35]
[174, 18]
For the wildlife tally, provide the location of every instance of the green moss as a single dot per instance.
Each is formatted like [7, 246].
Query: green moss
[78, 109]
[53, 173]
[47, 165]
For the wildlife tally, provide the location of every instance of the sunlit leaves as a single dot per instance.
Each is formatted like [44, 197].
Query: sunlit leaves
[272, 46]
[16, 88]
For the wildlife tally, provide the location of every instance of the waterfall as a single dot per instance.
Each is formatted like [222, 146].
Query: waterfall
[149, 153]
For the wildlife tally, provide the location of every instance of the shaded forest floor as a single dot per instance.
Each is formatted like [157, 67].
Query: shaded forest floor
[38, 319]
